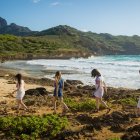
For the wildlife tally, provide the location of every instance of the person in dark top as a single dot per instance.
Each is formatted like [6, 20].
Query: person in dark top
[58, 91]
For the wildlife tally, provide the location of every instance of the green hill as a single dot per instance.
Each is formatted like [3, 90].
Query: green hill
[62, 42]
[14, 47]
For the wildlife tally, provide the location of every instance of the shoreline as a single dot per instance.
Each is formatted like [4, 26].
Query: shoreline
[122, 102]
[10, 73]
[61, 56]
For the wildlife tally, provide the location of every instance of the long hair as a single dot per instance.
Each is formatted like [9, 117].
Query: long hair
[95, 72]
[19, 77]
[57, 74]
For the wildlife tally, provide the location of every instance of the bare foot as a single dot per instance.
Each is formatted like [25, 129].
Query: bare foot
[96, 111]
[26, 109]
[66, 110]
[108, 110]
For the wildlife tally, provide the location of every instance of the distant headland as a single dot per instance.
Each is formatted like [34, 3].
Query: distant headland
[18, 42]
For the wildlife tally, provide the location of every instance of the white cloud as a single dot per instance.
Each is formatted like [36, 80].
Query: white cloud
[55, 4]
[36, 1]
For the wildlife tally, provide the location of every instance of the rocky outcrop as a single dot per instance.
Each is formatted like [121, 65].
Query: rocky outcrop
[37, 92]
[133, 133]
[74, 82]
[81, 44]
[3, 23]
[13, 29]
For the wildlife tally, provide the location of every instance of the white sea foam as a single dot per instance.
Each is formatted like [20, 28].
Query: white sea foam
[119, 71]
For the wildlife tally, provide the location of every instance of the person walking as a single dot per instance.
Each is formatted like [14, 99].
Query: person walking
[20, 90]
[100, 87]
[58, 91]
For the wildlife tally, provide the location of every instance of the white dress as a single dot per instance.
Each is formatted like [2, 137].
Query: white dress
[21, 91]
[100, 91]
[138, 105]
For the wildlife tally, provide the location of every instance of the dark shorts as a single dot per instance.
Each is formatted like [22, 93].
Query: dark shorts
[60, 94]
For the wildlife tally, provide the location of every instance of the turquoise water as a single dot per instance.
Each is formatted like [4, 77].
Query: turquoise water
[118, 70]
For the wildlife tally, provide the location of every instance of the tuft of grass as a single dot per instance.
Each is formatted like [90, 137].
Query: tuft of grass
[128, 101]
[84, 105]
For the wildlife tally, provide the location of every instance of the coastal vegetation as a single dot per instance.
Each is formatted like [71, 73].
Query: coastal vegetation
[17, 42]
[28, 47]
[32, 127]
[82, 105]
[81, 122]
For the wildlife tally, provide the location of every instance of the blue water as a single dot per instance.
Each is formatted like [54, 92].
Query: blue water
[118, 70]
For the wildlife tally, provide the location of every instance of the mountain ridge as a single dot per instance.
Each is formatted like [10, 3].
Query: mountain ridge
[3, 23]
[62, 41]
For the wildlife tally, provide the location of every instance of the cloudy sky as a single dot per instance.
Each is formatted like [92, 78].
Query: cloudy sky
[117, 17]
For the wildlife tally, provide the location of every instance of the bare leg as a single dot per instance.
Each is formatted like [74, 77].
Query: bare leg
[64, 105]
[104, 104]
[97, 103]
[18, 105]
[23, 104]
[54, 100]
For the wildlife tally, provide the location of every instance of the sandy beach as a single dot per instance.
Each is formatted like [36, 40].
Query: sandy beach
[40, 105]
[7, 86]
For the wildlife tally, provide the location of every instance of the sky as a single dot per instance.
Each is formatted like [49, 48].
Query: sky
[116, 17]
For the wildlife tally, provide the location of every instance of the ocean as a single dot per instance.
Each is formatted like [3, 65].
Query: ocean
[118, 70]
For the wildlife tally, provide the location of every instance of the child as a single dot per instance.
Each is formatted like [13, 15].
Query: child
[138, 108]
[20, 91]
[100, 87]
[58, 91]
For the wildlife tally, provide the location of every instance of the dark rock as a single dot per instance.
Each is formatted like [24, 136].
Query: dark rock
[117, 128]
[3, 23]
[68, 135]
[86, 119]
[131, 136]
[38, 91]
[116, 118]
[89, 127]
[32, 92]
[74, 82]
[67, 85]
[30, 102]
[47, 81]
[42, 91]
[42, 81]
[87, 87]
[138, 90]
[134, 128]
[14, 29]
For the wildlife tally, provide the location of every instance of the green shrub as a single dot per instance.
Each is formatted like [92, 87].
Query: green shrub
[128, 101]
[84, 105]
[32, 126]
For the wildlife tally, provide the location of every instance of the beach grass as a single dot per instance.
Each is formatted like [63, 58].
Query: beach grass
[28, 127]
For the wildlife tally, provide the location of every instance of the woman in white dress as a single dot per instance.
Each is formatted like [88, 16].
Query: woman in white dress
[100, 88]
[20, 89]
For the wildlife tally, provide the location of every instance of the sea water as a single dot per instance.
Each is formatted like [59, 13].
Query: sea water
[118, 70]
